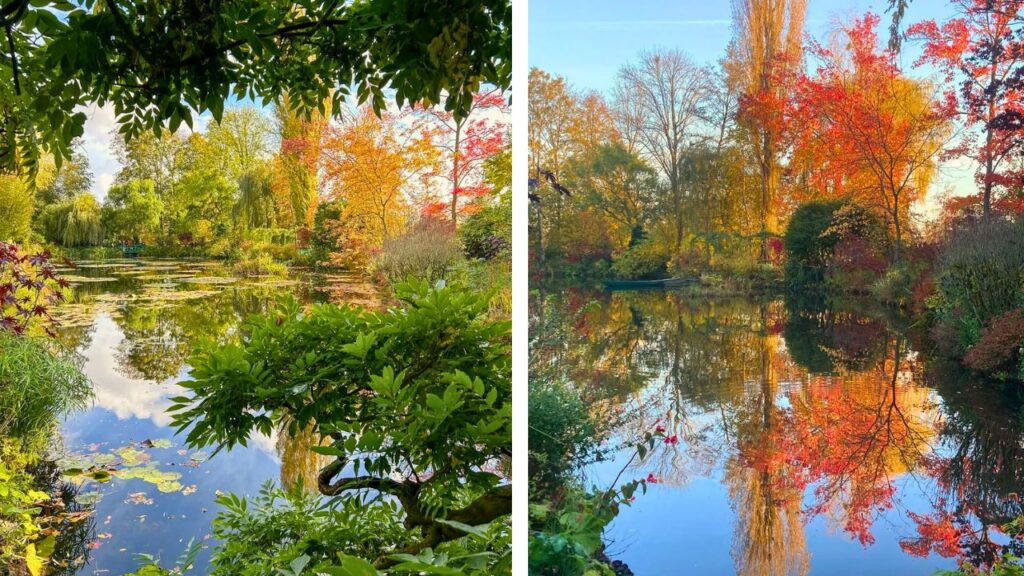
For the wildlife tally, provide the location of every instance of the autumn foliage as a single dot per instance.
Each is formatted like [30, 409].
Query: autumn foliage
[29, 287]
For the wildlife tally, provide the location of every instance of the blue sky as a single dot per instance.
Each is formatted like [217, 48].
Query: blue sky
[588, 41]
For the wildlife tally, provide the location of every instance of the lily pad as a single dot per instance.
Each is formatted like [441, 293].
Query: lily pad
[89, 498]
[158, 443]
[166, 482]
[132, 456]
[210, 280]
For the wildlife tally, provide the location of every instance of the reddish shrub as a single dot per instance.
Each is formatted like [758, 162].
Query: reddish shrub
[999, 343]
[28, 287]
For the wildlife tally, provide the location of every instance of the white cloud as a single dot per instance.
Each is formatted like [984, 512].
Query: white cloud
[97, 145]
[103, 183]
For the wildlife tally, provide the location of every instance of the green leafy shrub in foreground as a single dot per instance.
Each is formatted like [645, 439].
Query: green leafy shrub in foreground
[416, 402]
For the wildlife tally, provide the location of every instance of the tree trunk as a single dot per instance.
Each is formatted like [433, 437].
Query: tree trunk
[456, 176]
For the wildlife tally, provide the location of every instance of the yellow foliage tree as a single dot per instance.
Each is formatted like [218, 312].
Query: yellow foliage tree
[372, 164]
[17, 202]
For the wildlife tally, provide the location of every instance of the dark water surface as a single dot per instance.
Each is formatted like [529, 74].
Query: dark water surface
[812, 439]
[134, 323]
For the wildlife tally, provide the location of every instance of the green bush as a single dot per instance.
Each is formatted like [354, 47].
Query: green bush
[18, 515]
[416, 403]
[488, 233]
[261, 265]
[644, 261]
[563, 435]
[979, 277]
[835, 244]
[894, 286]
[269, 531]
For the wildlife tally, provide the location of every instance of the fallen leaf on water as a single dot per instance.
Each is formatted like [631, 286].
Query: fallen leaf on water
[138, 498]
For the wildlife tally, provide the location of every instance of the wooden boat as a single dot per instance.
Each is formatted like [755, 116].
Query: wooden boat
[648, 284]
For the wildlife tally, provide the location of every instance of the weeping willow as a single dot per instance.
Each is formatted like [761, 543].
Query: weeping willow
[255, 207]
[297, 183]
[75, 222]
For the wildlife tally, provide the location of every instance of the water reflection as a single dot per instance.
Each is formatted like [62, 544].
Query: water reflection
[135, 324]
[821, 437]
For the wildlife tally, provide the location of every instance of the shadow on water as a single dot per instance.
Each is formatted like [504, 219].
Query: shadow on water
[815, 436]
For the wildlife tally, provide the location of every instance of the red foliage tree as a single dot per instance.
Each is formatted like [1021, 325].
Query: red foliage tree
[861, 128]
[467, 143]
[981, 49]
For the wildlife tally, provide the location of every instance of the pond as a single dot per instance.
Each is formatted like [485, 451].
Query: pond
[812, 438]
[134, 324]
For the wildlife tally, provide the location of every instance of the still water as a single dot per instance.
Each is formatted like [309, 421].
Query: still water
[134, 324]
[813, 439]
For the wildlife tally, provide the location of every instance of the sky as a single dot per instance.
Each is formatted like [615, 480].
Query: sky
[97, 144]
[588, 41]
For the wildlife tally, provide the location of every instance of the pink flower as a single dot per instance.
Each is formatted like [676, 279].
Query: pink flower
[673, 439]
[659, 429]
[651, 479]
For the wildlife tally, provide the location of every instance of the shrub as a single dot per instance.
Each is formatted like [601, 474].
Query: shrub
[427, 251]
[18, 525]
[834, 242]
[28, 287]
[261, 265]
[644, 261]
[981, 268]
[275, 527]
[999, 344]
[979, 276]
[488, 233]
[563, 436]
[416, 402]
[36, 385]
[894, 287]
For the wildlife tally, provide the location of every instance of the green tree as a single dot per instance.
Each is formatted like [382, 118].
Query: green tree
[240, 141]
[63, 54]
[18, 203]
[255, 205]
[198, 208]
[73, 222]
[619, 185]
[71, 179]
[149, 157]
[132, 211]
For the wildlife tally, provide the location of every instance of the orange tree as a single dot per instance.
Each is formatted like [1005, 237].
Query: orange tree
[373, 164]
[866, 130]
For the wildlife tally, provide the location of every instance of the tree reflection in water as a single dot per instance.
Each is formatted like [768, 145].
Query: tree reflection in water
[803, 410]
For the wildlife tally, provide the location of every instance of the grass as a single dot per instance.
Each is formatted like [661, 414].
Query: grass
[38, 383]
